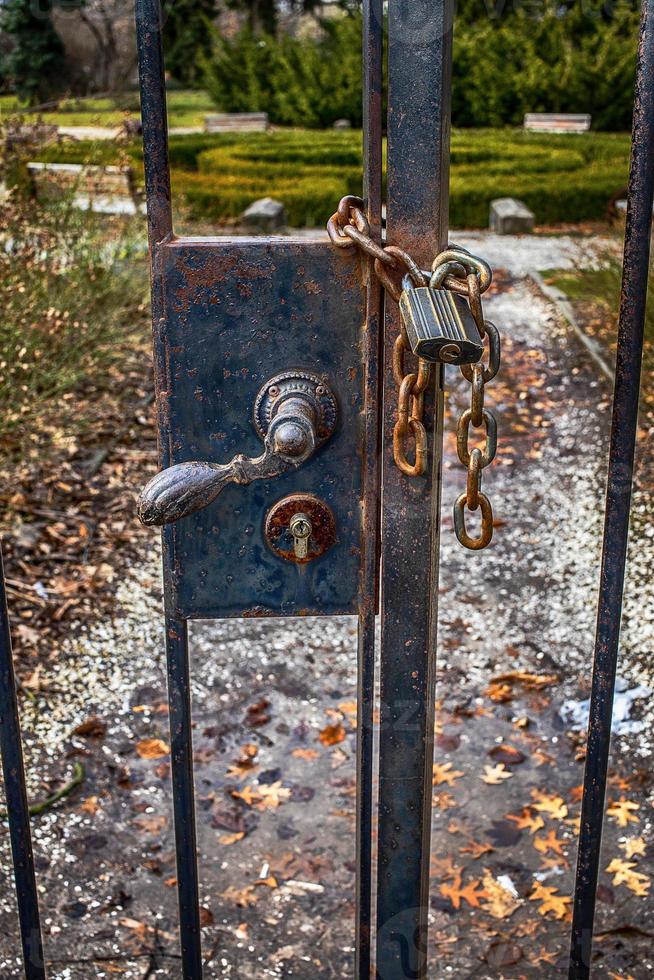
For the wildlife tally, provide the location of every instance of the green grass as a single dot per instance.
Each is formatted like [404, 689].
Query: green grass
[562, 178]
[185, 108]
[601, 288]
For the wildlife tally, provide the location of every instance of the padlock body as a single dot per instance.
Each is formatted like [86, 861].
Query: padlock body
[440, 326]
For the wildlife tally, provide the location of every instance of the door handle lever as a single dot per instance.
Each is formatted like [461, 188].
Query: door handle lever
[295, 413]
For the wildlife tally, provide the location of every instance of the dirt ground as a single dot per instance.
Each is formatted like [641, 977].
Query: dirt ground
[274, 709]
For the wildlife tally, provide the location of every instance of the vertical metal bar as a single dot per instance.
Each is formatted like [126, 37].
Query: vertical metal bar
[17, 806]
[373, 28]
[149, 39]
[179, 700]
[419, 68]
[149, 25]
[618, 497]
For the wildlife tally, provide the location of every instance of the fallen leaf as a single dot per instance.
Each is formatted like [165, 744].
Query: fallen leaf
[548, 843]
[507, 755]
[272, 795]
[228, 839]
[456, 893]
[622, 811]
[501, 954]
[623, 873]
[152, 748]
[91, 728]
[332, 734]
[633, 847]
[257, 714]
[445, 774]
[443, 801]
[498, 900]
[527, 820]
[206, 917]
[554, 806]
[550, 901]
[495, 775]
[243, 897]
[477, 850]
[90, 805]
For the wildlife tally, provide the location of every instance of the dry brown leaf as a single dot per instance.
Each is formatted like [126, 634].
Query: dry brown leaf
[550, 901]
[623, 874]
[553, 806]
[272, 795]
[445, 774]
[243, 897]
[332, 734]
[495, 775]
[443, 801]
[228, 839]
[527, 820]
[151, 825]
[633, 847]
[622, 811]
[152, 748]
[498, 900]
[548, 843]
[91, 805]
[456, 893]
[477, 850]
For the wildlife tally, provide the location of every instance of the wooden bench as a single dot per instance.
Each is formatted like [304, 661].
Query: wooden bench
[236, 122]
[557, 122]
[107, 190]
[26, 135]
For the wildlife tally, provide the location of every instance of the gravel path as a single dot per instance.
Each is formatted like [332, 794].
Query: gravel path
[277, 874]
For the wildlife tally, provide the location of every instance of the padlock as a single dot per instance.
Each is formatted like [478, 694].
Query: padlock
[439, 325]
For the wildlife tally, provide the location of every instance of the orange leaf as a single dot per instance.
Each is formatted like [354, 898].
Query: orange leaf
[332, 734]
[152, 748]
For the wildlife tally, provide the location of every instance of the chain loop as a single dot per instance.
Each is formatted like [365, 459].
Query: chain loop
[463, 435]
[456, 270]
[486, 532]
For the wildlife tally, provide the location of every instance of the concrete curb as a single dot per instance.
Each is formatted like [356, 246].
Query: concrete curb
[563, 306]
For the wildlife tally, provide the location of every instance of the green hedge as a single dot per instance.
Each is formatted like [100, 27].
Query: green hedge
[563, 178]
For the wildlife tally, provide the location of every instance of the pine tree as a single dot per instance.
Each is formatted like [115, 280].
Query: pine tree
[35, 64]
[187, 37]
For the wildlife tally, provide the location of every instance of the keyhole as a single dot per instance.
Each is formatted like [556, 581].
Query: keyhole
[300, 528]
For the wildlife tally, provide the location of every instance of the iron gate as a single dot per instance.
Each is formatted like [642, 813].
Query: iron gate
[294, 336]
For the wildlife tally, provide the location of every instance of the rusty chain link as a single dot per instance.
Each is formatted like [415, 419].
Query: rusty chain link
[459, 271]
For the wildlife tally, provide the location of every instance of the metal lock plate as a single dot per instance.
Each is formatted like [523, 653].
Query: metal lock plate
[439, 325]
[234, 315]
[289, 520]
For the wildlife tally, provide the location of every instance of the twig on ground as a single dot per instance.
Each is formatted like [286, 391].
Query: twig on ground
[36, 808]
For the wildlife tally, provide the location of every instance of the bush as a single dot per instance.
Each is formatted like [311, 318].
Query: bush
[307, 82]
[215, 177]
[561, 59]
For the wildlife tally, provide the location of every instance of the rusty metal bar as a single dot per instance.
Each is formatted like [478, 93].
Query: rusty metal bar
[149, 25]
[373, 35]
[618, 497]
[181, 750]
[154, 119]
[419, 67]
[17, 807]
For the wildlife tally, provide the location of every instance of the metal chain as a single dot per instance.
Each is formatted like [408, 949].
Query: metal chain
[459, 271]
[347, 227]
[479, 417]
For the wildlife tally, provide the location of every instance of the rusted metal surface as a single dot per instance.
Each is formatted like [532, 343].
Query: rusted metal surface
[294, 413]
[420, 35]
[373, 37]
[618, 497]
[235, 313]
[278, 531]
[13, 772]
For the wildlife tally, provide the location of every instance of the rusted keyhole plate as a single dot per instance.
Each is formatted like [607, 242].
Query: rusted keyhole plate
[278, 531]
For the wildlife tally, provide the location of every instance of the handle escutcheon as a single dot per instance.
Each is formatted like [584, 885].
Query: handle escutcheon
[295, 413]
